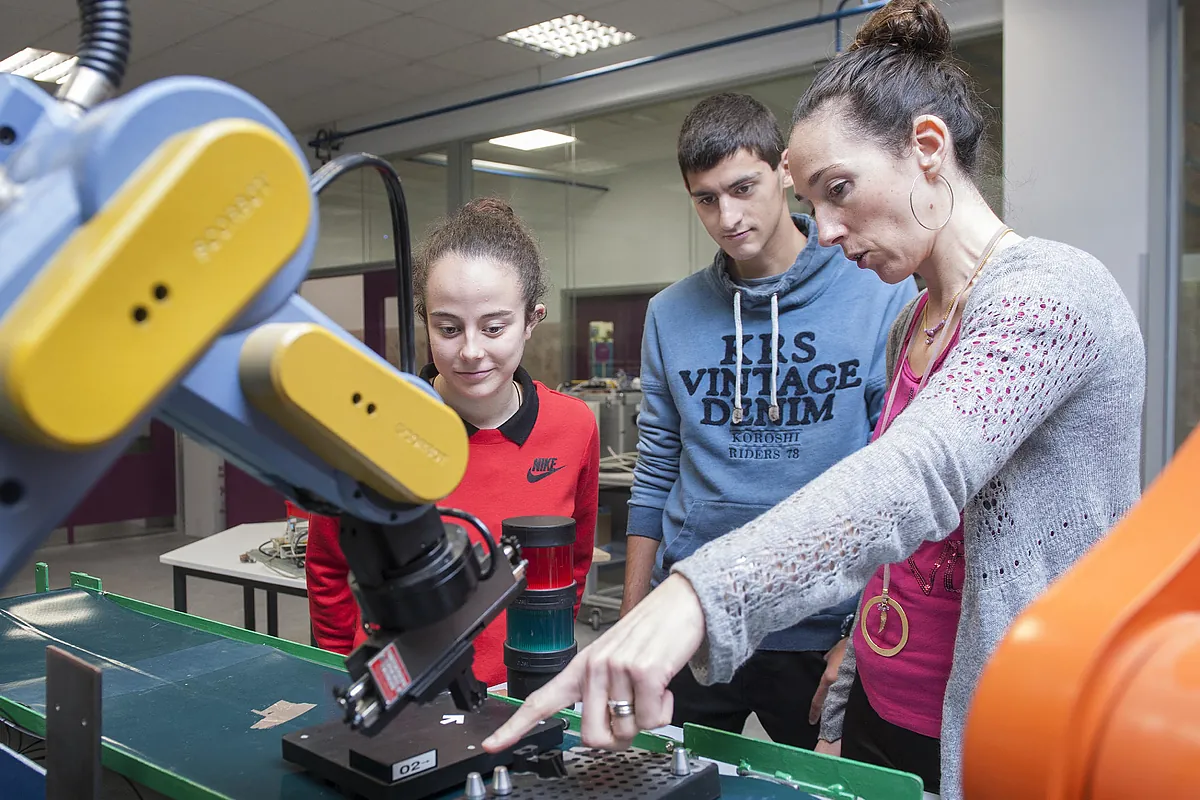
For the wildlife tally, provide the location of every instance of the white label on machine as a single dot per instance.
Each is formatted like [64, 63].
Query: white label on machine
[414, 766]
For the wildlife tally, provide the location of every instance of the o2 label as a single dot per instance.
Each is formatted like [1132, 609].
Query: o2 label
[414, 766]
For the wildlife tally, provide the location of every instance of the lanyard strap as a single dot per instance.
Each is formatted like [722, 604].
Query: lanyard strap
[942, 342]
[939, 348]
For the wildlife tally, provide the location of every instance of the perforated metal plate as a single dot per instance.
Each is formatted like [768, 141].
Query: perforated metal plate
[629, 775]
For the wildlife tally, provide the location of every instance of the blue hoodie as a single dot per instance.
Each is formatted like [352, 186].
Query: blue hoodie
[804, 405]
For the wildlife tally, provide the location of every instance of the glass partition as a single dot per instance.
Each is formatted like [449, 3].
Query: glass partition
[355, 219]
[608, 206]
[615, 220]
[423, 179]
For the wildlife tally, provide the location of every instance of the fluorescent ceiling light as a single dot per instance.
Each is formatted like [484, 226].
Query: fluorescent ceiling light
[41, 65]
[532, 140]
[571, 35]
[440, 160]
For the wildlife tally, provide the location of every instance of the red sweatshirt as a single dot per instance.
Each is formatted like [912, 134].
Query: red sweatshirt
[544, 460]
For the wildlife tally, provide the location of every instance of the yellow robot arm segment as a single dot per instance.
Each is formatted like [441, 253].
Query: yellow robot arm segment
[381, 430]
[139, 293]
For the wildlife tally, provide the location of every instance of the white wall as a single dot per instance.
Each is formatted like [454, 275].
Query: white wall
[641, 231]
[202, 483]
[1076, 133]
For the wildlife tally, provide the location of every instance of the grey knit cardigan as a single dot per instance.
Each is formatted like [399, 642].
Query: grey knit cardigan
[1031, 430]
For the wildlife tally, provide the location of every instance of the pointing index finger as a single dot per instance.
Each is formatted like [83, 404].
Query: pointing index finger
[555, 696]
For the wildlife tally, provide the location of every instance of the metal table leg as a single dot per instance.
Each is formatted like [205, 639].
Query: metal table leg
[180, 589]
[272, 613]
[248, 603]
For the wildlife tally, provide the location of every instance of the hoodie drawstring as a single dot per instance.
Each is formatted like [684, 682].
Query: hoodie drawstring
[773, 411]
[737, 367]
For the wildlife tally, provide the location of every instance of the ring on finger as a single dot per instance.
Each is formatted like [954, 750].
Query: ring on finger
[620, 708]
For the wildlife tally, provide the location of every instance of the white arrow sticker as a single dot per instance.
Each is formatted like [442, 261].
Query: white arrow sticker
[453, 719]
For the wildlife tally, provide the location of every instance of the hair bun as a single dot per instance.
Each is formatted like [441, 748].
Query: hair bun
[916, 26]
[492, 205]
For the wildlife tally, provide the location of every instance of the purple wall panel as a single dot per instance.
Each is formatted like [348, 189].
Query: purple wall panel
[249, 500]
[139, 485]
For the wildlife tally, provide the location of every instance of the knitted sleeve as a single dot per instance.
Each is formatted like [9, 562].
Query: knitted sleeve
[834, 712]
[1031, 336]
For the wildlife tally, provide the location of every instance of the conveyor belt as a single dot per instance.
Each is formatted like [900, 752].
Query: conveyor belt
[183, 701]
[179, 698]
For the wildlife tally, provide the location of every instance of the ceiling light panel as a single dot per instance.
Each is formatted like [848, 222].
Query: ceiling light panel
[41, 65]
[532, 140]
[571, 35]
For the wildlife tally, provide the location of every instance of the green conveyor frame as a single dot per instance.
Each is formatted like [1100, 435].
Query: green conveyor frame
[780, 765]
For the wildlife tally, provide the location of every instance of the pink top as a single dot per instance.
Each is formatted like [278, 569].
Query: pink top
[907, 688]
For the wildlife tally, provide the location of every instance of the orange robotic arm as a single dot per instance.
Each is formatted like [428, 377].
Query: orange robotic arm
[1095, 691]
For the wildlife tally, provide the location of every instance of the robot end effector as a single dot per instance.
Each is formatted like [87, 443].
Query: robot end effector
[150, 253]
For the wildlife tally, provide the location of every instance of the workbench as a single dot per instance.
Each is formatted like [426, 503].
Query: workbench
[218, 558]
[195, 710]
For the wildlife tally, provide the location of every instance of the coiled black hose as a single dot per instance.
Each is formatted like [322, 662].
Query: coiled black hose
[104, 38]
[494, 552]
[401, 241]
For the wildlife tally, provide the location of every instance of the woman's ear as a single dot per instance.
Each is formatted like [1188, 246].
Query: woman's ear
[787, 172]
[539, 314]
[931, 142]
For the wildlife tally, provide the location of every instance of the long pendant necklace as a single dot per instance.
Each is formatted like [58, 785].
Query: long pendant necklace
[884, 601]
[987, 252]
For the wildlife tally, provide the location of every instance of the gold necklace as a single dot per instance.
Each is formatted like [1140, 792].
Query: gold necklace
[930, 333]
[884, 600]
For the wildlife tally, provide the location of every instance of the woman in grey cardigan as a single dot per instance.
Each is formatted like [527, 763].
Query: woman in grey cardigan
[1029, 433]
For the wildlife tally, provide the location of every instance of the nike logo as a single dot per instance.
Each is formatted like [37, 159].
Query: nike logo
[542, 468]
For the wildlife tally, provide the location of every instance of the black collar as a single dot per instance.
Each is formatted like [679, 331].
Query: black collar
[519, 426]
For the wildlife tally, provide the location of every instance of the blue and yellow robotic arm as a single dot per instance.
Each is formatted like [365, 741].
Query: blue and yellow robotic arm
[151, 248]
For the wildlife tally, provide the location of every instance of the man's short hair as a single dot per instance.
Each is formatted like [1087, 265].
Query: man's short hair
[723, 124]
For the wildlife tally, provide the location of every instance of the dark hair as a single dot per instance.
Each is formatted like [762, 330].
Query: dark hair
[483, 228]
[899, 67]
[723, 124]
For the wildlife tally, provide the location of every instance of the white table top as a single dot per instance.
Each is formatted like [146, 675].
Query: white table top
[218, 554]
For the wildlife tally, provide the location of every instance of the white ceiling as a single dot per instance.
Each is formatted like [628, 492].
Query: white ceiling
[618, 141]
[317, 61]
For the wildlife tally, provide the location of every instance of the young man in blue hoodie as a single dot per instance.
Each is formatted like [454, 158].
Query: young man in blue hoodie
[718, 446]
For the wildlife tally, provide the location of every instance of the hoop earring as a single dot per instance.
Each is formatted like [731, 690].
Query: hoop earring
[912, 206]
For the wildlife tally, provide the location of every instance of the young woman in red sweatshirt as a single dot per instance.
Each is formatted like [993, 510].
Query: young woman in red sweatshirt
[479, 282]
